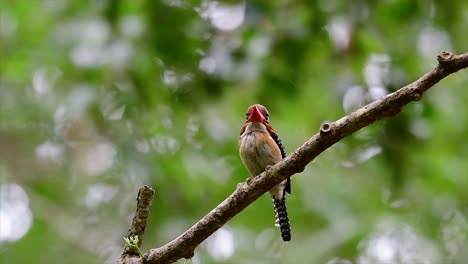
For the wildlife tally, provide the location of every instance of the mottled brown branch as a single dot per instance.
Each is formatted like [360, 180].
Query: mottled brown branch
[137, 227]
[329, 134]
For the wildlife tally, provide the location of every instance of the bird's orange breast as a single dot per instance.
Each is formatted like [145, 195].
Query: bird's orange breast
[257, 151]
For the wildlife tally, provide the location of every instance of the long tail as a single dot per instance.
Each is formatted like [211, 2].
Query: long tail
[282, 219]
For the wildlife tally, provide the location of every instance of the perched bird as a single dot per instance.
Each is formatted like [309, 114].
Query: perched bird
[259, 147]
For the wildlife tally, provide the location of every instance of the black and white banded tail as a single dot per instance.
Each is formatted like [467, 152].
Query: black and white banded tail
[282, 219]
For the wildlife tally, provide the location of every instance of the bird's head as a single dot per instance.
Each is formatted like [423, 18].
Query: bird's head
[257, 113]
[257, 119]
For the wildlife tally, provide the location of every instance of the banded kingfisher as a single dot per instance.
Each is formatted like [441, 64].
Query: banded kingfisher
[260, 147]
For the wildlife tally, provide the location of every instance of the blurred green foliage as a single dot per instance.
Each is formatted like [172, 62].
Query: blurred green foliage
[100, 97]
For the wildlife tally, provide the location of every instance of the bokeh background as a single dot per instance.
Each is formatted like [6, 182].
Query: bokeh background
[100, 97]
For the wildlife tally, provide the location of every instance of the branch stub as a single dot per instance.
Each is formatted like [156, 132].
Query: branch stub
[444, 56]
[325, 128]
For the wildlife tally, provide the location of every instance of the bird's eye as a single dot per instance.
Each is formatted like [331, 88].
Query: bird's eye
[247, 115]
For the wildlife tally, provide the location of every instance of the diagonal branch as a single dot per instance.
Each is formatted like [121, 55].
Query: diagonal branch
[329, 134]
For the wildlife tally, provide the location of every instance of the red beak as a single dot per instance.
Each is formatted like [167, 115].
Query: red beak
[256, 116]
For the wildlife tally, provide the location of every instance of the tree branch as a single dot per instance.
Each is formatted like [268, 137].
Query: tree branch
[137, 227]
[329, 134]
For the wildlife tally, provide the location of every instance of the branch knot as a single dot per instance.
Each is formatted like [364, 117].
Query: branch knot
[417, 94]
[444, 57]
[325, 128]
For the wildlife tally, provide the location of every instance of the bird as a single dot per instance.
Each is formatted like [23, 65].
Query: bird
[259, 148]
